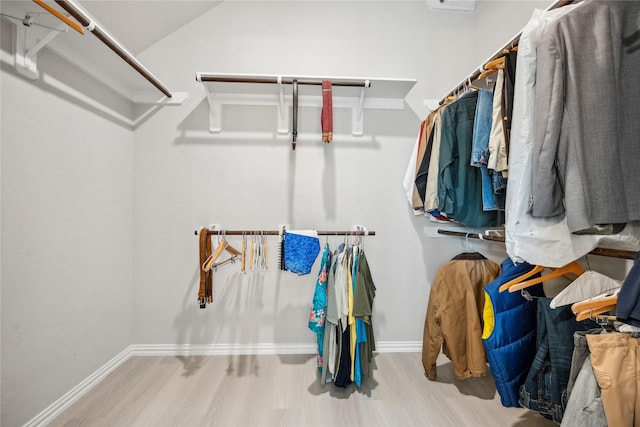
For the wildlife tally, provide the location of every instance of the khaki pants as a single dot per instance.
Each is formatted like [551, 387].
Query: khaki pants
[616, 365]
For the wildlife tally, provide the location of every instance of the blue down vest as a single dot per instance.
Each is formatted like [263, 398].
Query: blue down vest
[509, 334]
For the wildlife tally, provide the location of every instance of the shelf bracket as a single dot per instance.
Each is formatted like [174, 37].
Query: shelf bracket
[269, 90]
[28, 44]
[215, 113]
[357, 114]
[283, 111]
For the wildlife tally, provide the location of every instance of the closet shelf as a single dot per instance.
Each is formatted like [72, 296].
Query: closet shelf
[275, 90]
[473, 77]
[127, 76]
[613, 253]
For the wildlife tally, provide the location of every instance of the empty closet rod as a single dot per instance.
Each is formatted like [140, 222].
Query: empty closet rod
[613, 253]
[276, 233]
[112, 44]
[510, 45]
[204, 77]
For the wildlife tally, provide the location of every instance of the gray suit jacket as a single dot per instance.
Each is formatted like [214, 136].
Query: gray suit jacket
[586, 132]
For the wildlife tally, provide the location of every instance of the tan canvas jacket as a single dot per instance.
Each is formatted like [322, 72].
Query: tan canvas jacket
[454, 312]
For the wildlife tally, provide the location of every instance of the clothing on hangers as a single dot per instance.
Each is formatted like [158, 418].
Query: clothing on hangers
[301, 248]
[454, 313]
[628, 308]
[574, 173]
[460, 185]
[424, 158]
[584, 402]
[480, 147]
[342, 317]
[408, 183]
[509, 333]
[318, 313]
[543, 241]
[544, 389]
[587, 285]
[619, 386]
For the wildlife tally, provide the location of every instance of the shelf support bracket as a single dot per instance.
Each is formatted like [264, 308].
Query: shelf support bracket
[28, 44]
[283, 111]
[357, 122]
[215, 112]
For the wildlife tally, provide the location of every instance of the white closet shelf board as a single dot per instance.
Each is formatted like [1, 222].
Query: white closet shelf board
[241, 89]
[85, 52]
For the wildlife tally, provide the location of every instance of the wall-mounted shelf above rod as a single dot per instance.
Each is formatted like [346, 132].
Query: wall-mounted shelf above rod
[358, 94]
[613, 253]
[277, 233]
[509, 45]
[128, 77]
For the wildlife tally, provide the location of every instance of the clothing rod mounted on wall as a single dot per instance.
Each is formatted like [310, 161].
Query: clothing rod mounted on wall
[510, 45]
[112, 44]
[204, 77]
[276, 233]
[613, 253]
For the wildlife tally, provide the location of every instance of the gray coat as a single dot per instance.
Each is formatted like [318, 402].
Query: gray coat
[586, 132]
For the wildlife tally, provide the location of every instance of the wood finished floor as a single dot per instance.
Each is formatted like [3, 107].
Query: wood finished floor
[270, 390]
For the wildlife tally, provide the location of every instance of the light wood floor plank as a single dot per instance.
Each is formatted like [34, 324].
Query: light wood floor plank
[251, 390]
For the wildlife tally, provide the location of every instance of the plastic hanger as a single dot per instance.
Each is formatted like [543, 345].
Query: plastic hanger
[571, 268]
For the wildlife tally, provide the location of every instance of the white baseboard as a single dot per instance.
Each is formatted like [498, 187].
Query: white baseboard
[219, 349]
[399, 347]
[73, 395]
[69, 398]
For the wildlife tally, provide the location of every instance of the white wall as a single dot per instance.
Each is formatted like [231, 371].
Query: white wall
[247, 178]
[67, 177]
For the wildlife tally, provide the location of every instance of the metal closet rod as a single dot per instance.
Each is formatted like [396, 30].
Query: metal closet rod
[613, 253]
[274, 80]
[112, 44]
[277, 233]
[510, 45]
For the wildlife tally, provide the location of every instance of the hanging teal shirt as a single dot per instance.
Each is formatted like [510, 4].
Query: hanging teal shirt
[319, 311]
[459, 184]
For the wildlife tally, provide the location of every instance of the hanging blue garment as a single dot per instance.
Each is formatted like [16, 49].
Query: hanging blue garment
[300, 252]
[319, 310]
[509, 335]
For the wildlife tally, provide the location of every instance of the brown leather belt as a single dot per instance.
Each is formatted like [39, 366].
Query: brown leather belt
[205, 293]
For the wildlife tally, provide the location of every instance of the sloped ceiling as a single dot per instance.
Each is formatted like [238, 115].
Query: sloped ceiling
[141, 23]
[135, 24]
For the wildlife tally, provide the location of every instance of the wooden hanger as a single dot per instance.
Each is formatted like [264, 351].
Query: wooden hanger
[495, 64]
[535, 270]
[490, 71]
[222, 246]
[572, 268]
[243, 259]
[594, 312]
[604, 300]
